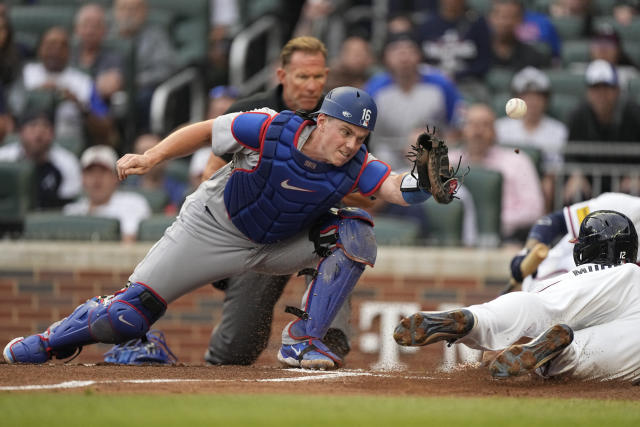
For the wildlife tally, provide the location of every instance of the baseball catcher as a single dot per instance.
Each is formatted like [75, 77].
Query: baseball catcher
[257, 213]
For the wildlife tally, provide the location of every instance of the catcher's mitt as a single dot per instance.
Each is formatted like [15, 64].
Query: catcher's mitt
[430, 157]
[151, 348]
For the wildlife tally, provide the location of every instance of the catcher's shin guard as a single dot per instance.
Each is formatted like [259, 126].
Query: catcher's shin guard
[337, 274]
[115, 318]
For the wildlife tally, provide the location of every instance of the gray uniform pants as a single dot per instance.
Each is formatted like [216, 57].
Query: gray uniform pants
[201, 248]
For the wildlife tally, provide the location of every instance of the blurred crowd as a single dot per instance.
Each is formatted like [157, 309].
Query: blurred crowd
[76, 92]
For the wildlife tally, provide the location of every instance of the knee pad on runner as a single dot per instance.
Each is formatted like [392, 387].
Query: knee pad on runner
[338, 273]
[127, 314]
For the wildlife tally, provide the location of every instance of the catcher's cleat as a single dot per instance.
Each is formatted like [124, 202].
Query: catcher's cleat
[35, 349]
[32, 349]
[427, 327]
[521, 358]
[309, 354]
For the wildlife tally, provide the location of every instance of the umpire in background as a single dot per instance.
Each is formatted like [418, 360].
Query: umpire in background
[247, 314]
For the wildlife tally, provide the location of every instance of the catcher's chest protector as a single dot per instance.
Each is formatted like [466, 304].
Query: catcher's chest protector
[287, 191]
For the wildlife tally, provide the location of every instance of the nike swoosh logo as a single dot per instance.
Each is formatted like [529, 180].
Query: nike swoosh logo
[285, 184]
[296, 351]
[122, 319]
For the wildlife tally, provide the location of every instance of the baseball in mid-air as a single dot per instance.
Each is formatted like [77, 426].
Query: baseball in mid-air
[516, 108]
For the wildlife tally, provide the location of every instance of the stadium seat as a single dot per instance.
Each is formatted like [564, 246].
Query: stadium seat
[30, 22]
[75, 145]
[17, 193]
[178, 169]
[603, 7]
[568, 27]
[152, 228]
[566, 81]
[445, 223]
[499, 79]
[396, 231]
[575, 51]
[541, 6]
[76, 3]
[479, 6]
[498, 103]
[634, 89]
[535, 154]
[157, 199]
[486, 188]
[56, 226]
[183, 10]
[629, 32]
[191, 37]
[562, 105]
[632, 49]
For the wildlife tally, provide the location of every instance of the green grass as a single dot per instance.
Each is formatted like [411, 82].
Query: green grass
[93, 409]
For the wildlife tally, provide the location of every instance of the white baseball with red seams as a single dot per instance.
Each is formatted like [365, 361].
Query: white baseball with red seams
[516, 108]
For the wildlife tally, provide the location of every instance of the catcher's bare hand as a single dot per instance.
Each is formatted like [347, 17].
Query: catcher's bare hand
[134, 164]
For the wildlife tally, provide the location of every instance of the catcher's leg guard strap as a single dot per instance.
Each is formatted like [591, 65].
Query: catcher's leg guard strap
[116, 318]
[337, 275]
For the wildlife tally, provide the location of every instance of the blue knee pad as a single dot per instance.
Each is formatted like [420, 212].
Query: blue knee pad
[127, 314]
[338, 273]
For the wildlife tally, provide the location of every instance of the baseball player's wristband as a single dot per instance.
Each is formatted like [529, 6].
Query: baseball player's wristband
[411, 193]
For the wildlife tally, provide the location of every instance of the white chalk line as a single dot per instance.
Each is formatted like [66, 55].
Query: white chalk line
[308, 375]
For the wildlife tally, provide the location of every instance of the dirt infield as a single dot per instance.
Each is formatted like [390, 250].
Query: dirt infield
[273, 379]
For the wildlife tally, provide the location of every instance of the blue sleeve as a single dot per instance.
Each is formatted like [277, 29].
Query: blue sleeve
[97, 105]
[451, 94]
[373, 176]
[548, 228]
[548, 33]
[247, 128]
[376, 83]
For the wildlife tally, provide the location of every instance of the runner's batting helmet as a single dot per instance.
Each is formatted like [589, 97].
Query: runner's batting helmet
[351, 105]
[606, 237]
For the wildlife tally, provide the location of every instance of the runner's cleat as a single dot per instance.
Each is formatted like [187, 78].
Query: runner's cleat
[521, 358]
[427, 327]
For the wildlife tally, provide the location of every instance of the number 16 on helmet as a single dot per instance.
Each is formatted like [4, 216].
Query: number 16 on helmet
[351, 105]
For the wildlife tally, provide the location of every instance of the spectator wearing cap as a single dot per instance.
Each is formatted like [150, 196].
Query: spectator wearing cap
[57, 171]
[604, 116]
[220, 99]
[408, 96]
[101, 197]
[605, 44]
[536, 129]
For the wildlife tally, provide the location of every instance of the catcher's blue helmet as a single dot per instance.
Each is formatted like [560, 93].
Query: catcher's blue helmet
[351, 105]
